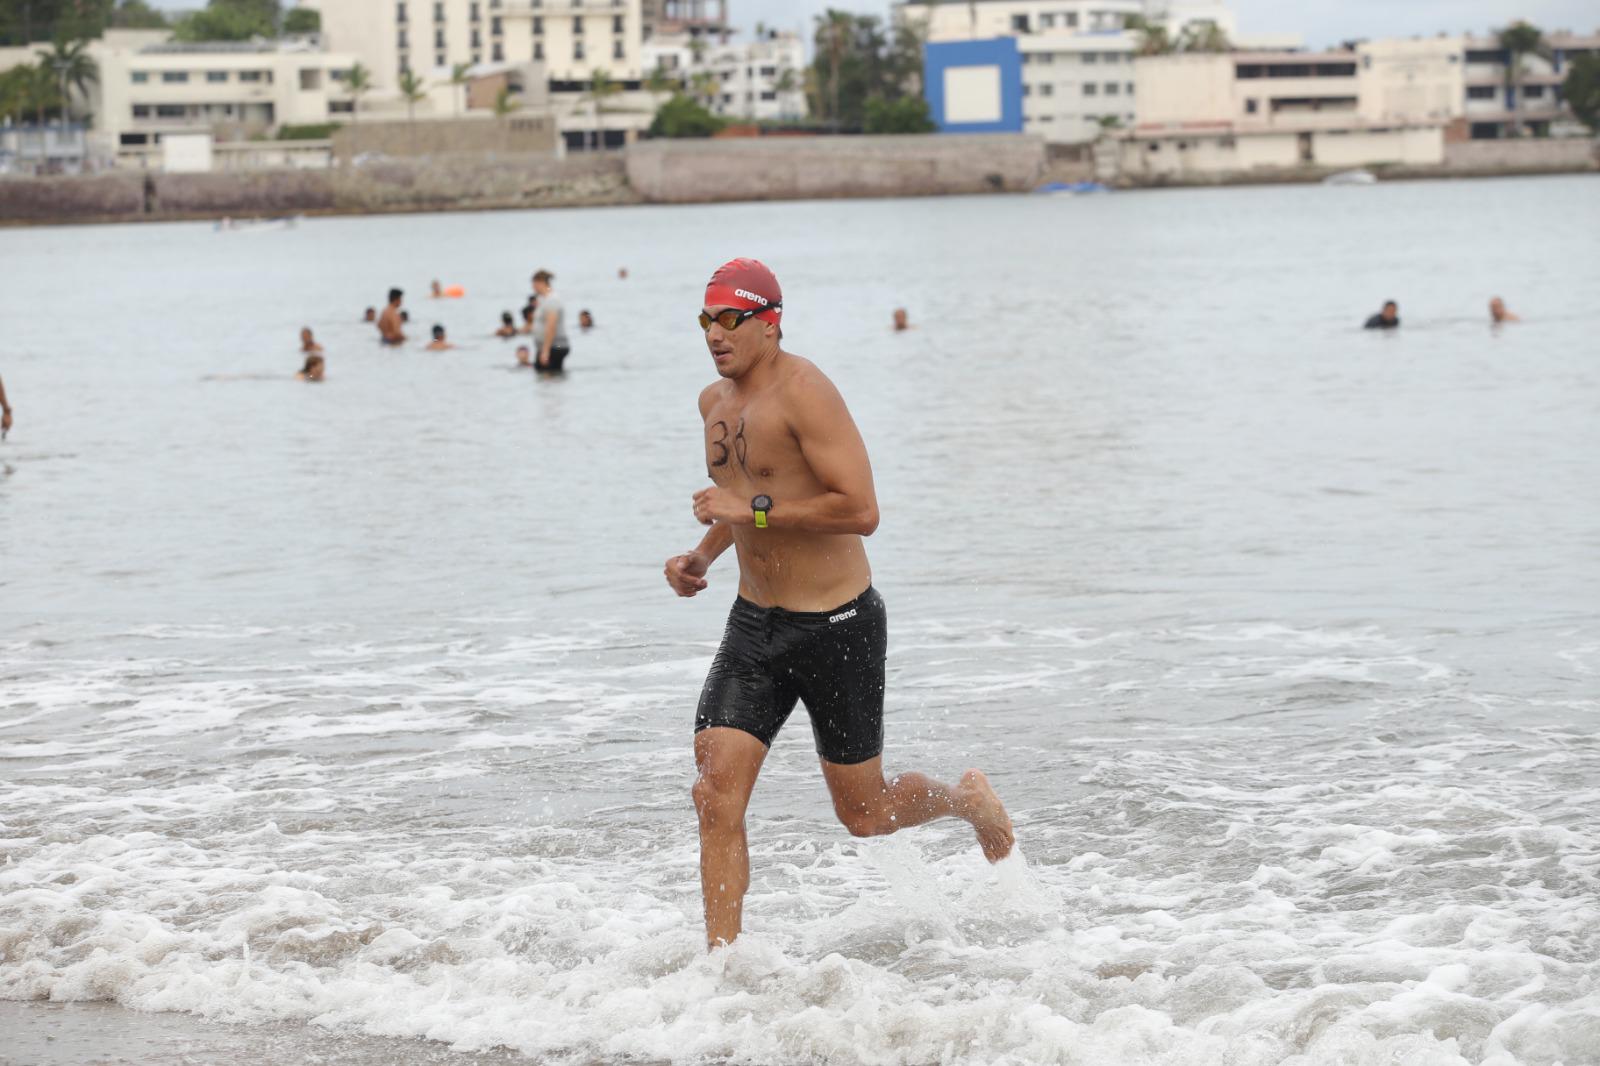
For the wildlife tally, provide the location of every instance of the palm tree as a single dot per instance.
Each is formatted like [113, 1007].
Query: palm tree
[835, 27]
[703, 85]
[1154, 38]
[1520, 39]
[660, 80]
[504, 103]
[601, 87]
[458, 79]
[1204, 36]
[413, 89]
[359, 82]
[785, 85]
[71, 64]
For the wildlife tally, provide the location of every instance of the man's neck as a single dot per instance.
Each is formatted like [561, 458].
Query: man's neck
[761, 372]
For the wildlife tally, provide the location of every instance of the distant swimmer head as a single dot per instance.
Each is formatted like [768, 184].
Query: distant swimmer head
[437, 288]
[371, 315]
[902, 321]
[524, 356]
[394, 296]
[585, 320]
[739, 291]
[313, 369]
[1498, 312]
[438, 333]
[505, 318]
[405, 316]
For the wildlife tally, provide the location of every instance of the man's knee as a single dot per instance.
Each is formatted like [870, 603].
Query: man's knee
[865, 822]
[719, 802]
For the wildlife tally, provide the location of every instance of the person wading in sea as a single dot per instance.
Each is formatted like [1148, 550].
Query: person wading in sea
[793, 493]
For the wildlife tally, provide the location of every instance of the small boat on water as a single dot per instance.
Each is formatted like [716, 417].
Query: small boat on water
[257, 225]
[1351, 177]
[1071, 188]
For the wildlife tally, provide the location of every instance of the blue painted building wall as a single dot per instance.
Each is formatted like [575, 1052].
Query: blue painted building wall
[957, 77]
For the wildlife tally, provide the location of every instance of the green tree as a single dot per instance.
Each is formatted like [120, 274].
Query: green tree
[1204, 36]
[601, 88]
[137, 15]
[359, 82]
[1520, 40]
[907, 114]
[661, 80]
[505, 103]
[697, 50]
[683, 116]
[1154, 37]
[458, 80]
[230, 20]
[703, 86]
[413, 89]
[1582, 90]
[73, 69]
[17, 91]
[302, 20]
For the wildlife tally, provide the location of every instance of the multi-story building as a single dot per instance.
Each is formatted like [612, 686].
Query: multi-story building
[691, 18]
[1241, 111]
[762, 80]
[1492, 107]
[148, 86]
[1076, 55]
[566, 43]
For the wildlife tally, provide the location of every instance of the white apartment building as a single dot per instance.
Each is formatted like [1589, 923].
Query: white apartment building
[763, 80]
[569, 41]
[1077, 55]
[149, 86]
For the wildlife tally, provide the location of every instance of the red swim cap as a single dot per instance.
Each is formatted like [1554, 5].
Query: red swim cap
[744, 284]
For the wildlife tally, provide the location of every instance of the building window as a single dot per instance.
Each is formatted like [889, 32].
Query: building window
[1250, 105]
[310, 79]
[1113, 57]
[1533, 92]
[438, 12]
[472, 12]
[249, 75]
[439, 59]
[1027, 90]
[1091, 57]
[345, 106]
[171, 111]
[619, 50]
[1047, 22]
[769, 72]
[1019, 23]
[769, 97]
[1112, 88]
[141, 110]
[577, 50]
[174, 76]
[1090, 88]
[495, 26]
[1047, 89]
[498, 54]
[1070, 19]
[577, 27]
[403, 43]
[400, 14]
[1480, 92]
[538, 49]
[438, 38]
[538, 25]
[477, 39]
[616, 24]
[216, 75]
[1130, 88]
[477, 57]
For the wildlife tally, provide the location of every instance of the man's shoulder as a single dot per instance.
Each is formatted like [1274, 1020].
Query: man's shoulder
[709, 394]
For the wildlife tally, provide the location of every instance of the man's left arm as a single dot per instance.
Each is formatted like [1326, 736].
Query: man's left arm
[549, 338]
[833, 448]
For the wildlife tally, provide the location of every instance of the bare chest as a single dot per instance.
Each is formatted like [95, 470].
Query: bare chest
[749, 444]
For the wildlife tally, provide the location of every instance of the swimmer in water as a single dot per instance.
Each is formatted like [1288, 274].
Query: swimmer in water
[793, 491]
[524, 355]
[436, 291]
[313, 369]
[439, 344]
[308, 343]
[902, 321]
[5, 412]
[1388, 318]
[371, 315]
[1498, 313]
[527, 317]
[390, 322]
[585, 321]
[622, 273]
[508, 328]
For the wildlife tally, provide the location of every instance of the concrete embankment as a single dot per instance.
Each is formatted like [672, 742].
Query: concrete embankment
[649, 172]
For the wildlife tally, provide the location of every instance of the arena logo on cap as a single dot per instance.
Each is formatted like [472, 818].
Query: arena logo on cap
[745, 294]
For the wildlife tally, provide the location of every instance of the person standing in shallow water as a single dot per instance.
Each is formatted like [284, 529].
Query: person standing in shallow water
[793, 493]
[1388, 318]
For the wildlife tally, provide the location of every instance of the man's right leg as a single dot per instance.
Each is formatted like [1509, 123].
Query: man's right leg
[728, 761]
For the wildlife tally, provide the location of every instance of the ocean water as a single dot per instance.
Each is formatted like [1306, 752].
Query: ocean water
[360, 712]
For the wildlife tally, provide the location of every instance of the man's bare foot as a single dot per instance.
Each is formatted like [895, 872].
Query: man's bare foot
[987, 815]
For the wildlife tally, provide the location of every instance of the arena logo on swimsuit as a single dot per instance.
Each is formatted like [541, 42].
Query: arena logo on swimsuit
[746, 295]
[851, 613]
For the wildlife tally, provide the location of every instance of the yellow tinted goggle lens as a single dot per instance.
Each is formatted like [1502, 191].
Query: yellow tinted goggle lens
[729, 319]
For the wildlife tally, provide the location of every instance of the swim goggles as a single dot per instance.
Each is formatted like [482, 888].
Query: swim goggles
[730, 319]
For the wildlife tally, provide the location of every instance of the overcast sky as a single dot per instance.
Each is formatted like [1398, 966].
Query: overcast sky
[1323, 22]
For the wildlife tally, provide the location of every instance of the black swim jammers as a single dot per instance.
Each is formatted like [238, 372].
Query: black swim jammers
[833, 660]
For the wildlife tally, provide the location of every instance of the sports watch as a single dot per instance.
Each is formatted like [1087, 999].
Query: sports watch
[761, 505]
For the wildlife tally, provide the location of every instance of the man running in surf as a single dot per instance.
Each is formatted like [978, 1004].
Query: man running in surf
[793, 493]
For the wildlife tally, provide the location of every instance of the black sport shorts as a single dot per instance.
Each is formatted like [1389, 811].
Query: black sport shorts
[833, 660]
[558, 356]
